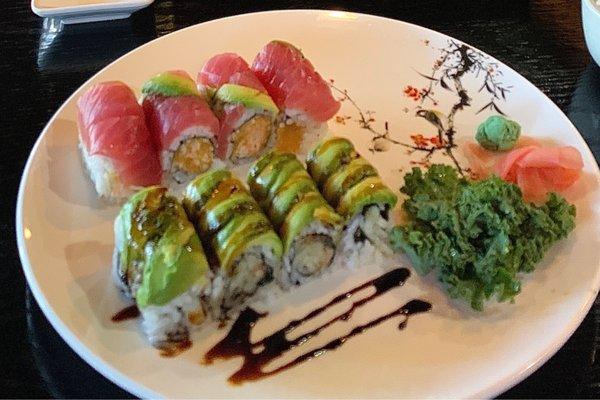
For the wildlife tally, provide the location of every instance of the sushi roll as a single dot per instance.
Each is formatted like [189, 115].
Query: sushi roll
[352, 186]
[246, 111]
[116, 146]
[182, 124]
[158, 261]
[299, 91]
[309, 228]
[243, 247]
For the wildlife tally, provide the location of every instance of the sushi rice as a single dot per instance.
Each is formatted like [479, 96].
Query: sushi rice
[172, 322]
[252, 269]
[370, 223]
[104, 176]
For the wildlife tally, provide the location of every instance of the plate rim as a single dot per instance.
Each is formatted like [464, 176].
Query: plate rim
[106, 8]
[136, 388]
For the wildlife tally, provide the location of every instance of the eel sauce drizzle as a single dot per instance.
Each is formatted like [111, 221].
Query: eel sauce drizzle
[257, 355]
[130, 312]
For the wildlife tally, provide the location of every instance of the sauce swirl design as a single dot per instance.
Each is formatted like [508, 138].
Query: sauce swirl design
[259, 354]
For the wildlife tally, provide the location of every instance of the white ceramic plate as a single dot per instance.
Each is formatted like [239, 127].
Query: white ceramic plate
[79, 11]
[65, 234]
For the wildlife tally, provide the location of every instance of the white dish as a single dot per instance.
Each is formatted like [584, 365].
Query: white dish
[65, 234]
[590, 13]
[79, 11]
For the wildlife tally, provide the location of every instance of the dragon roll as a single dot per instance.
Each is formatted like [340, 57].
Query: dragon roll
[310, 229]
[243, 248]
[354, 189]
[158, 261]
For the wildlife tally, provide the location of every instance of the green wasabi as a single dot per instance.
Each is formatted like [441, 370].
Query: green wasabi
[498, 133]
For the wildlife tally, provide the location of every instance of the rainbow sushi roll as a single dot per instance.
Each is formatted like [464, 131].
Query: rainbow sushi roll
[353, 187]
[181, 123]
[302, 95]
[115, 143]
[246, 111]
[242, 245]
[158, 261]
[309, 228]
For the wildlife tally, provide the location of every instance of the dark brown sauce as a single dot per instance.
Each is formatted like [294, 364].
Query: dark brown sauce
[130, 312]
[174, 349]
[257, 355]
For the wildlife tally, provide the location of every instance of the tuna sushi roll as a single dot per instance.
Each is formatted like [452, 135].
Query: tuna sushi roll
[352, 186]
[115, 143]
[299, 91]
[158, 261]
[182, 124]
[310, 229]
[246, 111]
[243, 247]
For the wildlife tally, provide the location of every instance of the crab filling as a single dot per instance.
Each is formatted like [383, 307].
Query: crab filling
[193, 156]
[251, 138]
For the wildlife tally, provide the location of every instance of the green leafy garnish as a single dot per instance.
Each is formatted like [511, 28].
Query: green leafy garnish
[477, 235]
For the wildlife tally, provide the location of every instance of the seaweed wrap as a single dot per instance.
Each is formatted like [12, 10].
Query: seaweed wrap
[310, 229]
[158, 261]
[243, 248]
[354, 189]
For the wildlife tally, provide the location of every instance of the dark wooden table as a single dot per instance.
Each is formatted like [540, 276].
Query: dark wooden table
[541, 39]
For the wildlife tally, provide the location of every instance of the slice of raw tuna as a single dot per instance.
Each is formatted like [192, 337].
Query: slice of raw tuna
[293, 83]
[112, 125]
[228, 68]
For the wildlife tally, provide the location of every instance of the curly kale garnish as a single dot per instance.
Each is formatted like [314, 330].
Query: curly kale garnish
[477, 235]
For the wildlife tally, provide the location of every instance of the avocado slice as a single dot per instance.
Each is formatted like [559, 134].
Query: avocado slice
[311, 206]
[328, 157]
[176, 263]
[236, 233]
[200, 190]
[170, 84]
[261, 185]
[212, 219]
[288, 195]
[290, 168]
[159, 238]
[345, 178]
[367, 192]
[249, 97]
[258, 235]
[130, 237]
[261, 163]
